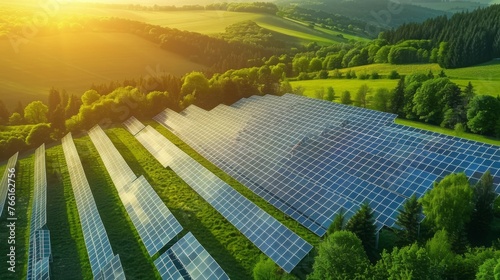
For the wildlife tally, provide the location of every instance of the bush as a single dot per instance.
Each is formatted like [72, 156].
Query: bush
[303, 76]
[393, 75]
[363, 76]
[374, 75]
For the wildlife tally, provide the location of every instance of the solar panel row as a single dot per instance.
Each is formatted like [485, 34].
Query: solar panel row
[133, 125]
[39, 253]
[152, 219]
[4, 184]
[187, 259]
[278, 242]
[96, 239]
[310, 158]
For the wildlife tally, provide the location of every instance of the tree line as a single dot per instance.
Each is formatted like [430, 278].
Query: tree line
[476, 41]
[452, 242]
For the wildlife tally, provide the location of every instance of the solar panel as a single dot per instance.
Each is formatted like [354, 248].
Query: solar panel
[154, 222]
[133, 125]
[96, 239]
[39, 252]
[187, 259]
[113, 270]
[274, 239]
[118, 169]
[309, 157]
[4, 184]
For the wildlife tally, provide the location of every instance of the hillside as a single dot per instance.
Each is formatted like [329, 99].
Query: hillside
[76, 61]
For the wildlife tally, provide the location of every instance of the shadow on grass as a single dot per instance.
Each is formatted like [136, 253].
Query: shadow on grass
[66, 262]
[121, 232]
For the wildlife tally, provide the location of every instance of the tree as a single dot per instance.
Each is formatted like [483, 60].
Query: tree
[363, 225]
[482, 215]
[4, 113]
[397, 101]
[393, 75]
[449, 205]
[409, 220]
[54, 101]
[338, 223]
[58, 120]
[360, 99]
[439, 249]
[38, 135]
[345, 98]
[300, 64]
[410, 262]
[340, 256]
[36, 112]
[315, 65]
[196, 85]
[486, 270]
[483, 114]
[381, 100]
[89, 97]
[428, 105]
[72, 107]
[330, 94]
[15, 119]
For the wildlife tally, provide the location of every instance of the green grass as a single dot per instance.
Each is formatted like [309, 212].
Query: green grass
[484, 77]
[70, 259]
[341, 85]
[76, 61]
[453, 6]
[447, 131]
[24, 191]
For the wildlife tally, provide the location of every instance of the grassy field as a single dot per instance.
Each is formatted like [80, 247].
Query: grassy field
[213, 22]
[341, 85]
[453, 6]
[484, 77]
[75, 61]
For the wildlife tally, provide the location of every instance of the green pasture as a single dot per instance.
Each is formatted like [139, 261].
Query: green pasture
[484, 77]
[341, 85]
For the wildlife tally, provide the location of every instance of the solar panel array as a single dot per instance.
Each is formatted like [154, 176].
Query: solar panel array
[4, 184]
[112, 270]
[274, 239]
[310, 158]
[187, 259]
[152, 219]
[39, 254]
[96, 239]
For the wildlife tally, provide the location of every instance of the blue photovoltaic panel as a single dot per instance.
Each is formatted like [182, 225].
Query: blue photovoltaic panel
[96, 239]
[152, 219]
[4, 184]
[274, 239]
[113, 270]
[187, 259]
[310, 158]
[39, 252]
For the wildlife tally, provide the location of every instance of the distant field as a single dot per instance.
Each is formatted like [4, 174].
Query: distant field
[485, 77]
[75, 61]
[213, 22]
[341, 85]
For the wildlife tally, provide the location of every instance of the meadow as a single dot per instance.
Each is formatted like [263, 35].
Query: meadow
[76, 61]
[484, 77]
